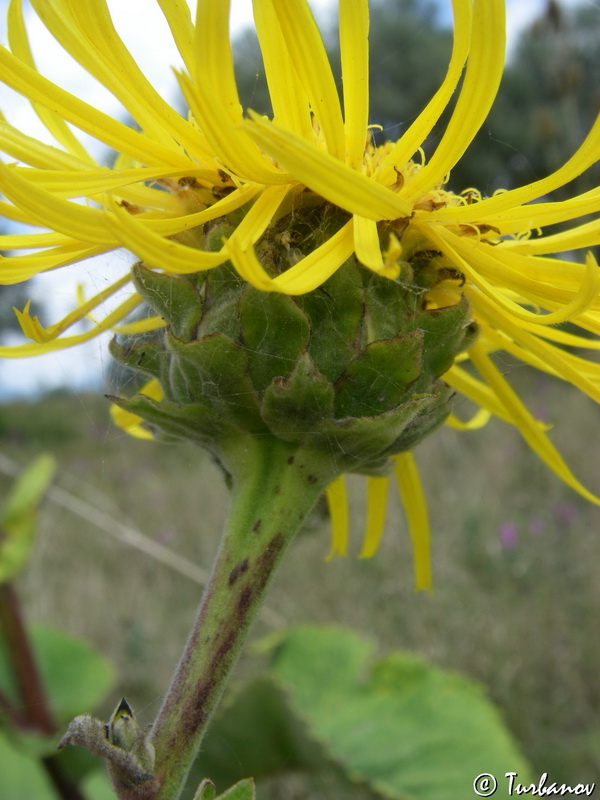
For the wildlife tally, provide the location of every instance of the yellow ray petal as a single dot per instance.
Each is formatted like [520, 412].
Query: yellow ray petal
[563, 364]
[47, 210]
[366, 244]
[38, 349]
[586, 235]
[354, 51]
[291, 108]
[231, 202]
[33, 329]
[325, 175]
[132, 423]
[420, 129]
[229, 142]
[214, 59]
[519, 218]
[470, 259]
[157, 251]
[481, 81]
[115, 134]
[377, 496]
[477, 391]
[19, 44]
[306, 275]
[180, 23]
[307, 52]
[522, 419]
[84, 28]
[15, 269]
[479, 420]
[337, 500]
[582, 159]
[30, 151]
[415, 509]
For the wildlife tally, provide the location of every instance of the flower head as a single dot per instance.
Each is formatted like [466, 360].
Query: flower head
[189, 195]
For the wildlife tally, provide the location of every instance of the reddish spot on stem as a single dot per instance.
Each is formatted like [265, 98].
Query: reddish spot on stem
[244, 601]
[238, 570]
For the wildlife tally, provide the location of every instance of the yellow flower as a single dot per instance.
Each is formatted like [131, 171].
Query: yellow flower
[172, 176]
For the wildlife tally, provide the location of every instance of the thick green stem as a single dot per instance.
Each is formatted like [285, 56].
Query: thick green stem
[274, 487]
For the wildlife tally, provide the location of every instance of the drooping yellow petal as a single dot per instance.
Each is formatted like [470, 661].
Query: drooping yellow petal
[415, 509]
[132, 423]
[522, 419]
[32, 328]
[474, 261]
[108, 323]
[377, 496]
[337, 500]
[305, 276]
[479, 420]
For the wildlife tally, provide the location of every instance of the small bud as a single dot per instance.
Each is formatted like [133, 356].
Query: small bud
[122, 743]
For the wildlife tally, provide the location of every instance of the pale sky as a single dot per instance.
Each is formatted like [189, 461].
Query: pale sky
[155, 53]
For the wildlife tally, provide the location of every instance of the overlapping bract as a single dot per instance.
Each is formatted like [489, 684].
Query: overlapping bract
[174, 177]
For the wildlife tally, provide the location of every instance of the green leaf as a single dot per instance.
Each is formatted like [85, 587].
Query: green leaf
[17, 519]
[254, 733]
[75, 677]
[244, 790]
[21, 776]
[410, 730]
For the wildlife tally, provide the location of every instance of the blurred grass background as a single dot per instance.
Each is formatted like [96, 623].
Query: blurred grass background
[516, 598]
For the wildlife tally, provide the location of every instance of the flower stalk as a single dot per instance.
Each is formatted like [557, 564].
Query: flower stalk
[274, 486]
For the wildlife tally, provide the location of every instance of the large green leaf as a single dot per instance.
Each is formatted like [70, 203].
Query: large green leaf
[21, 776]
[17, 516]
[75, 677]
[410, 730]
[244, 790]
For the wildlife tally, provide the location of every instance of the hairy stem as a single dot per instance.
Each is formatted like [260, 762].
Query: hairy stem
[274, 488]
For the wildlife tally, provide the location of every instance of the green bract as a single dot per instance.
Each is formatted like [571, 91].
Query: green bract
[352, 369]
